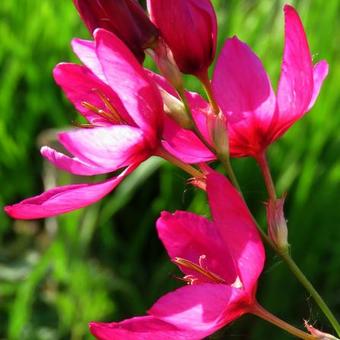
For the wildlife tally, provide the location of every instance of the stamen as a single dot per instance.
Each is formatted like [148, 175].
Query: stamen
[84, 125]
[98, 111]
[110, 114]
[198, 268]
[113, 112]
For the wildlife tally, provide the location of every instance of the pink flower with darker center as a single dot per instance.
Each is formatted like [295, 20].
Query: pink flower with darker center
[221, 260]
[124, 111]
[255, 116]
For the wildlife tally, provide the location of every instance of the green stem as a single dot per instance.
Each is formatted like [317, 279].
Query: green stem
[265, 315]
[311, 290]
[175, 161]
[230, 171]
[224, 160]
[204, 79]
[284, 254]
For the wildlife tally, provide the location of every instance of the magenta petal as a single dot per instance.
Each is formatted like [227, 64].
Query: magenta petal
[186, 147]
[73, 165]
[110, 147]
[190, 236]
[81, 85]
[86, 52]
[319, 74]
[296, 82]
[194, 48]
[161, 82]
[127, 78]
[202, 308]
[140, 328]
[237, 228]
[200, 109]
[248, 102]
[184, 144]
[63, 199]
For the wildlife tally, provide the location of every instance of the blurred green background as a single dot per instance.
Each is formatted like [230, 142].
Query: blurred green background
[105, 262]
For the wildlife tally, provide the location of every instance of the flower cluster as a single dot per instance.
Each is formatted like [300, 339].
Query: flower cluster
[132, 114]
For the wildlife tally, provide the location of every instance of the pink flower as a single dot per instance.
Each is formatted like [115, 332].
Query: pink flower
[256, 117]
[190, 29]
[125, 114]
[221, 260]
[125, 18]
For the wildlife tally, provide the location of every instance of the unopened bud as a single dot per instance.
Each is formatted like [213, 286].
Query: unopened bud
[318, 334]
[176, 110]
[167, 65]
[217, 125]
[190, 30]
[124, 18]
[277, 225]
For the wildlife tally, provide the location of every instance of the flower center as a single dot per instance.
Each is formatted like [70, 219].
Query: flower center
[199, 268]
[110, 113]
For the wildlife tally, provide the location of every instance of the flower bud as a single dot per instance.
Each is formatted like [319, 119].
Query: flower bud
[217, 125]
[318, 334]
[176, 110]
[190, 29]
[277, 225]
[166, 64]
[124, 18]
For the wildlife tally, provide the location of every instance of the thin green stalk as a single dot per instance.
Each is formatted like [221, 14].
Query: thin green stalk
[269, 317]
[311, 290]
[230, 171]
[286, 257]
[204, 79]
[224, 160]
[175, 161]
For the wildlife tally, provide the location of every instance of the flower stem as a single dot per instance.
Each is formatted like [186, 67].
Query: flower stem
[203, 77]
[230, 171]
[263, 164]
[175, 161]
[265, 315]
[205, 81]
[224, 160]
[311, 290]
[284, 253]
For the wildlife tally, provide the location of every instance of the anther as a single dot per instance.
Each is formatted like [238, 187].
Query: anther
[198, 268]
[112, 110]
